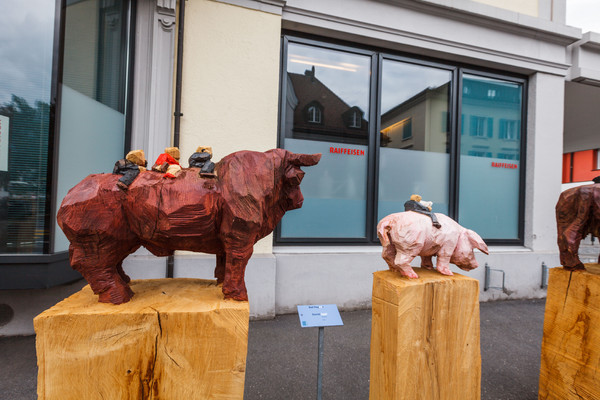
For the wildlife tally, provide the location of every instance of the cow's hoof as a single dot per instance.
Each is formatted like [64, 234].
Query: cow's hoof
[238, 295]
[579, 266]
[117, 294]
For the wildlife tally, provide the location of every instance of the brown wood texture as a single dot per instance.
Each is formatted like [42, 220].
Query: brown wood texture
[425, 337]
[225, 216]
[577, 215]
[570, 365]
[177, 339]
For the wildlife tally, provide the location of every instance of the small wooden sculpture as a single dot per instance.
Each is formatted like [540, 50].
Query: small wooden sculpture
[130, 167]
[168, 162]
[577, 215]
[201, 159]
[223, 216]
[409, 234]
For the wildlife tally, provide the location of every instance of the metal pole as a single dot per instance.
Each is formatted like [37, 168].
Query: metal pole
[320, 371]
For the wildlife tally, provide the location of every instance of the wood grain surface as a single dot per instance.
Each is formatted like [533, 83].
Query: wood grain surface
[425, 337]
[570, 365]
[176, 339]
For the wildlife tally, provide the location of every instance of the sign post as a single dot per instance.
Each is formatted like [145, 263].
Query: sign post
[319, 316]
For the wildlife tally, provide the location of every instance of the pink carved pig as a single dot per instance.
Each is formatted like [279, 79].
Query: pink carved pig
[406, 235]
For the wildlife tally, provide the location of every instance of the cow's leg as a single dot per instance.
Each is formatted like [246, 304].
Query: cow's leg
[402, 264]
[236, 260]
[122, 273]
[220, 268]
[426, 262]
[105, 280]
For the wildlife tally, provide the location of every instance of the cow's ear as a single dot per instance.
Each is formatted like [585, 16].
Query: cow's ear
[304, 160]
[477, 242]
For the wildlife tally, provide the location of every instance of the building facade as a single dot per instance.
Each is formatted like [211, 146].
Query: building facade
[461, 102]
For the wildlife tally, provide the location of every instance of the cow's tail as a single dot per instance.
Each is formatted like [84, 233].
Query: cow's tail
[383, 232]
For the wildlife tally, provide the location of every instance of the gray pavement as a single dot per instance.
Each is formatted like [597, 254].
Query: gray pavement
[282, 357]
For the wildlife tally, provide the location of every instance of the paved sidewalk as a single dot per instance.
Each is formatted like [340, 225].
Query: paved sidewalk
[282, 357]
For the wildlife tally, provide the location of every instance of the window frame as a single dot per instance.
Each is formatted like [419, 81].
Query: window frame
[454, 120]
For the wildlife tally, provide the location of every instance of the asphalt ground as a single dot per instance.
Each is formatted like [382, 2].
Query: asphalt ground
[282, 357]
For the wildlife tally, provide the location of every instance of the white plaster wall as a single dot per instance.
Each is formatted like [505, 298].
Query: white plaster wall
[27, 304]
[345, 277]
[529, 7]
[477, 34]
[544, 160]
[582, 119]
[230, 81]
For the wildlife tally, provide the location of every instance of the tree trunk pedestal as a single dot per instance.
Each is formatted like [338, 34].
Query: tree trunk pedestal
[425, 337]
[175, 339]
[570, 365]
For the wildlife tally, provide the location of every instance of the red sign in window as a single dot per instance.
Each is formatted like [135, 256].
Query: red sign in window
[504, 165]
[350, 152]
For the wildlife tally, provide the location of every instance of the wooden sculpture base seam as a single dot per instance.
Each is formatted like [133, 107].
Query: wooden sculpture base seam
[176, 339]
[570, 364]
[425, 337]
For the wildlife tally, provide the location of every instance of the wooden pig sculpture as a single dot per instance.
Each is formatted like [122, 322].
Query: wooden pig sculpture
[408, 234]
[224, 215]
[577, 215]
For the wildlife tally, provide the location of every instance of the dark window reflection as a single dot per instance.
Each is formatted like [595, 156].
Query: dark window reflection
[327, 96]
[25, 83]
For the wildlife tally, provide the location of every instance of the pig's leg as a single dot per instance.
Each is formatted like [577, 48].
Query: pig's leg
[443, 263]
[426, 262]
[402, 264]
[389, 254]
[220, 268]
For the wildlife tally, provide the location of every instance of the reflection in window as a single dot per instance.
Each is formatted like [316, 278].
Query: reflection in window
[326, 109]
[510, 129]
[481, 127]
[314, 114]
[414, 136]
[488, 192]
[25, 86]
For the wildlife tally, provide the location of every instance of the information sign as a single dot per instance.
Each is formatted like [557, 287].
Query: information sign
[319, 315]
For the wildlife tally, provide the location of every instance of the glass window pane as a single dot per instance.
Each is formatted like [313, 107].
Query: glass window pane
[414, 136]
[490, 150]
[326, 111]
[27, 35]
[92, 119]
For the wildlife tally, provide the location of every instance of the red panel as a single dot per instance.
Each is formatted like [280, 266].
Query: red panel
[566, 168]
[584, 166]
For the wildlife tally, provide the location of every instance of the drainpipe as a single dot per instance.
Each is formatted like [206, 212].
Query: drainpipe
[177, 113]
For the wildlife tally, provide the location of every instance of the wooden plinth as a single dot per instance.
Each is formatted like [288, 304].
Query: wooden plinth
[570, 366]
[176, 339]
[425, 337]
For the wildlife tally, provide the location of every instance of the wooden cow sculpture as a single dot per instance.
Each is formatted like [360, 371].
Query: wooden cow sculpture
[225, 216]
[577, 215]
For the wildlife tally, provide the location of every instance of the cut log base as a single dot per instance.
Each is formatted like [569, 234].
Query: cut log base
[425, 337]
[570, 364]
[175, 339]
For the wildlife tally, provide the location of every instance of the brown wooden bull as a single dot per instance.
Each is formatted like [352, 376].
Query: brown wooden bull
[223, 216]
[577, 215]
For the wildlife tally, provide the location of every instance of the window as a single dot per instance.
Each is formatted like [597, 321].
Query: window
[597, 159]
[489, 191]
[509, 129]
[25, 104]
[314, 115]
[392, 126]
[482, 127]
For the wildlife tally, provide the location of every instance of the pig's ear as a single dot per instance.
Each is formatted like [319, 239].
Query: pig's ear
[477, 242]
